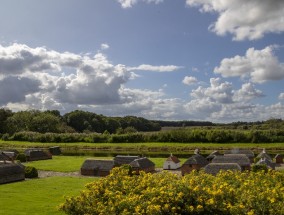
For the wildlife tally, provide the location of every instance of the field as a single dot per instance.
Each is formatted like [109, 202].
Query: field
[39, 196]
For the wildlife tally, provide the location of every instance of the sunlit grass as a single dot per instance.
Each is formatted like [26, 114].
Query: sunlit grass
[39, 196]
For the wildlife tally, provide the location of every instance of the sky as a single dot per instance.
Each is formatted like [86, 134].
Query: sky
[205, 60]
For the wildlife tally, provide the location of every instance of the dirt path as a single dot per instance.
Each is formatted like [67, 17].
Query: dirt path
[45, 174]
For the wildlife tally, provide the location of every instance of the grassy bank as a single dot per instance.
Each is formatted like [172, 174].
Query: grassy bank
[39, 196]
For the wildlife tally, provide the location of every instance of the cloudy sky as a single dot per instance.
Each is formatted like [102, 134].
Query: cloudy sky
[215, 60]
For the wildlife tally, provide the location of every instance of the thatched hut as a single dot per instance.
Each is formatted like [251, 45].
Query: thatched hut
[240, 159]
[92, 167]
[142, 164]
[264, 154]
[123, 159]
[215, 168]
[10, 172]
[249, 153]
[195, 162]
[172, 162]
[37, 154]
[266, 162]
[55, 150]
[278, 159]
[212, 155]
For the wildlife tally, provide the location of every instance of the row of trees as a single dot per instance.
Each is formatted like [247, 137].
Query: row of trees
[51, 121]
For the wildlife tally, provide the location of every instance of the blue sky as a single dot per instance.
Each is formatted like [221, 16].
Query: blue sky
[213, 60]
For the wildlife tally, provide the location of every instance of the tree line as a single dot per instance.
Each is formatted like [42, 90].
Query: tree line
[77, 121]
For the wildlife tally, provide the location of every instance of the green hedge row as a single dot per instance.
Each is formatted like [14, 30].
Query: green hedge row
[179, 135]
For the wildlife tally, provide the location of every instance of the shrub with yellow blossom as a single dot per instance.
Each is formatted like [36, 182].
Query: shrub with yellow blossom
[167, 193]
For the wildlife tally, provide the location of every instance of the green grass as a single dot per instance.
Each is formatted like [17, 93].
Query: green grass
[39, 196]
[61, 163]
[138, 146]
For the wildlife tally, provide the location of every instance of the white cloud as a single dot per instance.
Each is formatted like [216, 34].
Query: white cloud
[247, 93]
[104, 46]
[281, 96]
[259, 65]
[221, 92]
[189, 80]
[162, 68]
[130, 3]
[244, 19]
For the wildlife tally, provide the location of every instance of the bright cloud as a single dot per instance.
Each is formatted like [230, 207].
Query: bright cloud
[130, 3]
[104, 46]
[146, 67]
[189, 80]
[244, 19]
[247, 93]
[281, 96]
[259, 65]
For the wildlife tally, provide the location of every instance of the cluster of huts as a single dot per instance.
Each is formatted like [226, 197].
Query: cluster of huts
[94, 167]
[235, 160]
[12, 170]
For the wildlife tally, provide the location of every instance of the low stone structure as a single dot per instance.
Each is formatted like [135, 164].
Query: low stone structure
[93, 167]
[142, 164]
[11, 172]
[215, 168]
[55, 150]
[37, 154]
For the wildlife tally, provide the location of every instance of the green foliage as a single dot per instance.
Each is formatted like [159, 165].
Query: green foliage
[21, 157]
[259, 167]
[167, 193]
[31, 172]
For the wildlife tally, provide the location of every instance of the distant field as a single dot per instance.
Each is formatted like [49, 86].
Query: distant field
[39, 196]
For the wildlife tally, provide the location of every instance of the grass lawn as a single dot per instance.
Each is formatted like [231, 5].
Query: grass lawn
[39, 196]
[61, 163]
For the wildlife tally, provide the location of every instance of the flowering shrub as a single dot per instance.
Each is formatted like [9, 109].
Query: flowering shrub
[167, 193]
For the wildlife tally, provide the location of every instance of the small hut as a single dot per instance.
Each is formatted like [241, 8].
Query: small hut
[11, 153]
[37, 154]
[212, 155]
[266, 162]
[278, 159]
[263, 154]
[120, 160]
[215, 168]
[172, 162]
[246, 152]
[55, 150]
[10, 172]
[92, 167]
[142, 164]
[240, 159]
[195, 162]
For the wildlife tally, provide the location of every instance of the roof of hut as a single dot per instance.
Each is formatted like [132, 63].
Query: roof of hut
[266, 162]
[240, 159]
[263, 154]
[4, 157]
[98, 164]
[249, 153]
[124, 159]
[142, 163]
[173, 159]
[213, 154]
[7, 169]
[196, 159]
[214, 168]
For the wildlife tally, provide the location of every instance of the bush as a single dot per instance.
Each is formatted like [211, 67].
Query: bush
[21, 157]
[31, 172]
[167, 193]
[259, 167]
